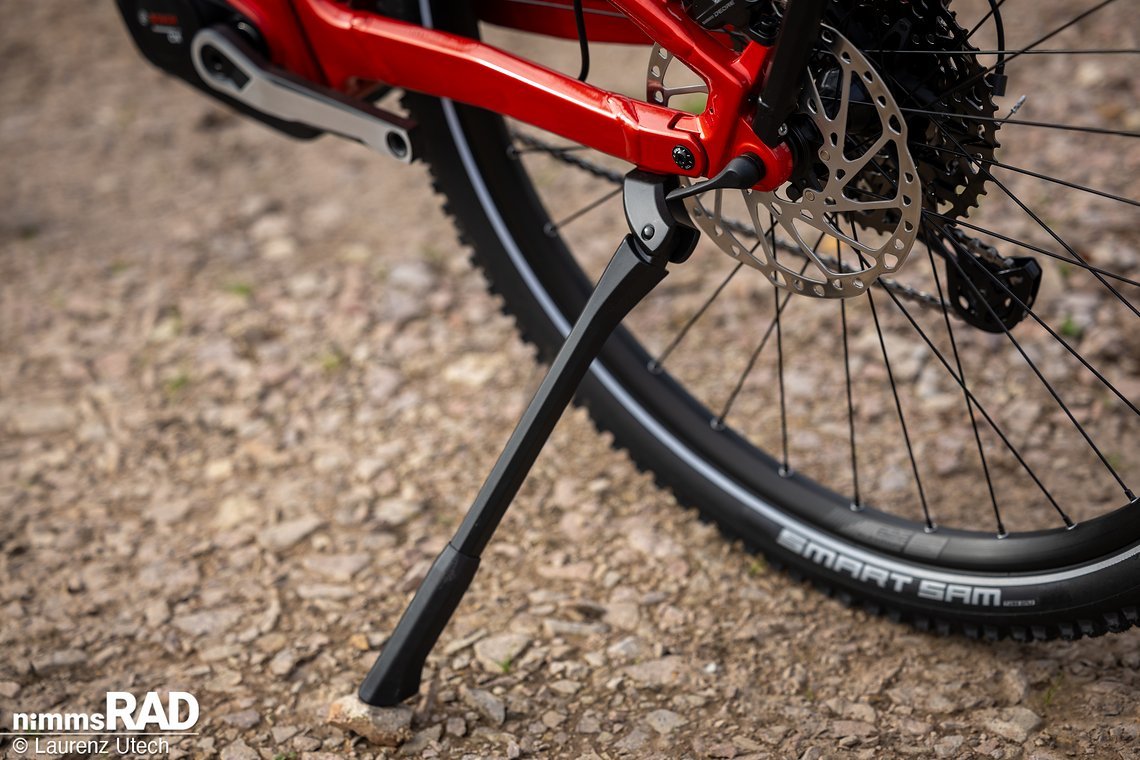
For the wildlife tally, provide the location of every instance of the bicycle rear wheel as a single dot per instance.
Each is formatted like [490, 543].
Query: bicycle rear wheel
[833, 452]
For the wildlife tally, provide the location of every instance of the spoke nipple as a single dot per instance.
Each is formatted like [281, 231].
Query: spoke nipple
[856, 506]
[930, 528]
[717, 424]
[785, 471]
[1069, 525]
[549, 229]
[654, 367]
[647, 232]
[1003, 533]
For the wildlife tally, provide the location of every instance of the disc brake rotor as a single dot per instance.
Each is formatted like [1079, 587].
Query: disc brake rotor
[850, 144]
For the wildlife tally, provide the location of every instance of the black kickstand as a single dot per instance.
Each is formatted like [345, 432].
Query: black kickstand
[661, 232]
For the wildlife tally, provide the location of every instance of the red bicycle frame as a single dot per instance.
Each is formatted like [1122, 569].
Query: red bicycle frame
[329, 42]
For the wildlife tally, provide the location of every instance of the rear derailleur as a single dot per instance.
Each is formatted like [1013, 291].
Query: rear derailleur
[987, 290]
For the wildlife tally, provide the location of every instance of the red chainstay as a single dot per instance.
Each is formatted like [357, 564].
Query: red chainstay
[327, 41]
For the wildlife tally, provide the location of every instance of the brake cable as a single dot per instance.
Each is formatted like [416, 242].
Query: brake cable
[583, 42]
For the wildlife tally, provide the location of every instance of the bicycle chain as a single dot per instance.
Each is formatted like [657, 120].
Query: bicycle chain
[978, 249]
[559, 153]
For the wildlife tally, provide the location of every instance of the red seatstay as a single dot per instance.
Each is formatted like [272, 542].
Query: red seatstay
[352, 45]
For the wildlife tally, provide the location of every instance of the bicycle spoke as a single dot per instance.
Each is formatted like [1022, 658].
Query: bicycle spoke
[857, 499]
[1001, 531]
[982, 410]
[1030, 247]
[655, 365]
[895, 391]
[1080, 264]
[1068, 348]
[551, 228]
[994, 7]
[1053, 333]
[1068, 248]
[1021, 122]
[1006, 120]
[1087, 51]
[1044, 381]
[1043, 177]
[717, 422]
[941, 98]
[785, 468]
[898, 406]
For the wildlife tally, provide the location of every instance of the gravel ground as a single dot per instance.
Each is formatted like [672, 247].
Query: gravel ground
[247, 387]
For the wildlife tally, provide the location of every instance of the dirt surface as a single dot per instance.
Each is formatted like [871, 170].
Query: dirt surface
[247, 387]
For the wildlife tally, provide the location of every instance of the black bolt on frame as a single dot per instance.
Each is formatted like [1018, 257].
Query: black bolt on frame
[661, 232]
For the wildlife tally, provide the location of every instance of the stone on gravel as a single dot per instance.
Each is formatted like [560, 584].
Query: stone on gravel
[324, 591]
[667, 671]
[497, 653]
[397, 511]
[289, 533]
[456, 726]
[665, 721]
[385, 726]
[1014, 686]
[633, 741]
[239, 750]
[624, 615]
[1014, 723]
[43, 418]
[235, 510]
[486, 704]
[566, 686]
[472, 370]
[421, 740]
[844, 728]
[209, 621]
[306, 743]
[589, 725]
[9, 689]
[282, 734]
[243, 719]
[625, 650]
[412, 276]
[949, 746]
[559, 628]
[459, 645]
[57, 662]
[283, 662]
[337, 567]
